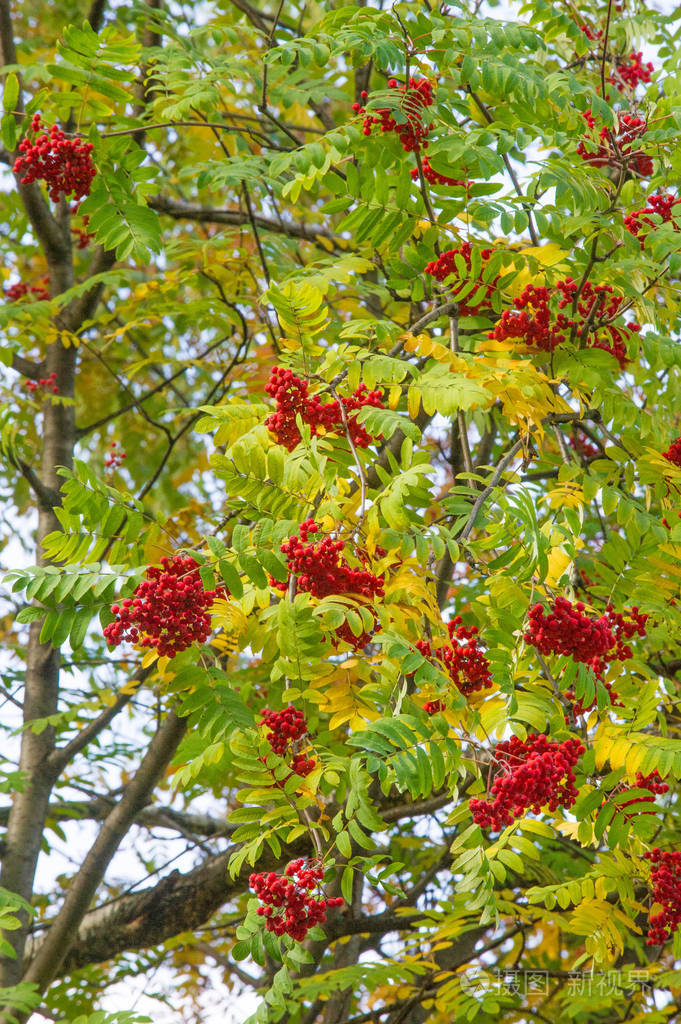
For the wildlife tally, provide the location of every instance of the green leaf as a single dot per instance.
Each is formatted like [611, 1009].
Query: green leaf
[10, 94]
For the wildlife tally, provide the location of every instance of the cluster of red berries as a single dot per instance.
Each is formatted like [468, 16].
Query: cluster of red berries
[431, 707]
[168, 610]
[660, 205]
[597, 306]
[462, 657]
[630, 74]
[534, 323]
[289, 908]
[593, 642]
[590, 34]
[653, 783]
[446, 265]
[20, 290]
[582, 447]
[665, 875]
[531, 773]
[291, 394]
[82, 234]
[411, 130]
[673, 453]
[114, 458]
[665, 521]
[286, 728]
[616, 150]
[65, 165]
[43, 383]
[322, 571]
[531, 321]
[435, 178]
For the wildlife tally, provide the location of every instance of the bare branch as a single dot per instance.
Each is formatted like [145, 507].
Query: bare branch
[180, 210]
[62, 934]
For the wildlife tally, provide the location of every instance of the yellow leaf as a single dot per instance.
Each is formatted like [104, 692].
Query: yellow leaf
[567, 496]
[149, 658]
[548, 255]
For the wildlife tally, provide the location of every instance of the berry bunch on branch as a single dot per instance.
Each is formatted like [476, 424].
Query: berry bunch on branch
[529, 775]
[630, 73]
[65, 165]
[582, 446]
[472, 295]
[292, 397]
[322, 570]
[408, 125]
[288, 904]
[673, 453]
[115, 456]
[286, 729]
[38, 292]
[594, 642]
[655, 786]
[665, 877]
[83, 236]
[462, 658]
[533, 321]
[660, 206]
[168, 609]
[614, 149]
[434, 177]
[43, 385]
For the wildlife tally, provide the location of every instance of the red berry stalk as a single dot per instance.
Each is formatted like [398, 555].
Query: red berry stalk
[65, 165]
[288, 904]
[322, 571]
[665, 877]
[445, 265]
[462, 657]
[614, 150]
[291, 394]
[530, 775]
[168, 610]
[287, 727]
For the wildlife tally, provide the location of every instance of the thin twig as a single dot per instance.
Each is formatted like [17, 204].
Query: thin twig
[511, 173]
[360, 468]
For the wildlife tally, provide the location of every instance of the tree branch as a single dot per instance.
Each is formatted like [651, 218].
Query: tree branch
[62, 934]
[180, 210]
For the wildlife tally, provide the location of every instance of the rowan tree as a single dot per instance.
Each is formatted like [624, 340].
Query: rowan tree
[341, 463]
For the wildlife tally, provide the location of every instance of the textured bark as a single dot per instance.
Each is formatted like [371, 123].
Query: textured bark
[180, 902]
[53, 950]
[180, 210]
[30, 808]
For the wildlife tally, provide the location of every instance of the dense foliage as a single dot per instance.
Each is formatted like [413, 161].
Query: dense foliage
[341, 463]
